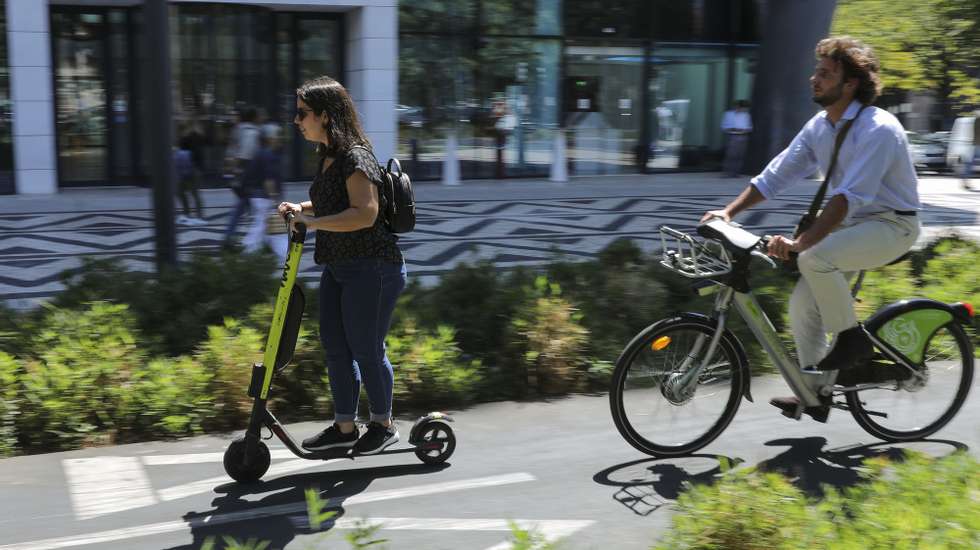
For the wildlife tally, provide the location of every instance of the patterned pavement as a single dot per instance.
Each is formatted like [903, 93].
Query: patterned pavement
[509, 223]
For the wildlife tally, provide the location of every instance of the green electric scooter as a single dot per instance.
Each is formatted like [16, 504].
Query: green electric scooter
[247, 458]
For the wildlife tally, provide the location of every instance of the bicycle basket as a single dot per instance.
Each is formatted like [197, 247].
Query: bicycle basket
[693, 258]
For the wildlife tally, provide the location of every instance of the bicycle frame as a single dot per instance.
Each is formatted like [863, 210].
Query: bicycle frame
[804, 385]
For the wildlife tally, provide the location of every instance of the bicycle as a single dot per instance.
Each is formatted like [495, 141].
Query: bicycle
[697, 367]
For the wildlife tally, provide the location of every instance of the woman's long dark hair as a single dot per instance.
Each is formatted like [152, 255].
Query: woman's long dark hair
[325, 95]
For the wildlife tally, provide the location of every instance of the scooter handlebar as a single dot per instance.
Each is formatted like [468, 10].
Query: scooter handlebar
[298, 235]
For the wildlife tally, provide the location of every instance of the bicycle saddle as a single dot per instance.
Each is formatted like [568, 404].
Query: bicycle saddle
[734, 238]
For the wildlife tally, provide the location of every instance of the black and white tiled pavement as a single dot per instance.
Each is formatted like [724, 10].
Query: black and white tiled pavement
[508, 225]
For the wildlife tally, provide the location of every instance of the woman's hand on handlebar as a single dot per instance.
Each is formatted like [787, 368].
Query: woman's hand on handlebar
[287, 207]
[723, 214]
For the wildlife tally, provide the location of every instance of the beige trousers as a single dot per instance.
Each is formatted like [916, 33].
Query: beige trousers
[821, 301]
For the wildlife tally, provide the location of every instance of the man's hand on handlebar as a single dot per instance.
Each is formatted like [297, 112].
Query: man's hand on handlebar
[781, 247]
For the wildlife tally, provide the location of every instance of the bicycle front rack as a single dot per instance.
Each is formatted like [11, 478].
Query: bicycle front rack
[692, 258]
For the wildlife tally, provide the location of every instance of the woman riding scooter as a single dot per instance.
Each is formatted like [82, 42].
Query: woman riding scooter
[363, 268]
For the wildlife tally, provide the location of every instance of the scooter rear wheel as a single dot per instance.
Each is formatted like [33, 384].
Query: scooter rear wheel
[235, 461]
[436, 443]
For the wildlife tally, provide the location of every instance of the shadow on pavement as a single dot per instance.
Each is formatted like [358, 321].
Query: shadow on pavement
[645, 486]
[275, 510]
[809, 466]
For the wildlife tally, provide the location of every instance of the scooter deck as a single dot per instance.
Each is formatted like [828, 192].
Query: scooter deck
[341, 452]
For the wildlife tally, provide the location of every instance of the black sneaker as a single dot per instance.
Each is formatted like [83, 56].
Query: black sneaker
[853, 348]
[331, 438]
[375, 439]
[789, 405]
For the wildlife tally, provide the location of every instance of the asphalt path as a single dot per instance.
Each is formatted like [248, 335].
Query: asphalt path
[557, 466]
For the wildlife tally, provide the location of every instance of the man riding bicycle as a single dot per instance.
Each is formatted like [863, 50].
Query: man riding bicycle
[869, 221]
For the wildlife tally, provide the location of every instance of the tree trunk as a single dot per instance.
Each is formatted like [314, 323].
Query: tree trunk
[781, 100]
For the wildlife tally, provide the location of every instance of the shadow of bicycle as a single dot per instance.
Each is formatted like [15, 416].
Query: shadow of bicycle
[645, 486]
[810, 466]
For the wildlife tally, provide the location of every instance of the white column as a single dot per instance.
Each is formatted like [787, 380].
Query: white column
[372, 72]
[559, 160]
[32, 100]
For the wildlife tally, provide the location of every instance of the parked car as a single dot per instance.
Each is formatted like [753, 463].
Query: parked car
[927, 153]
[410, 116]
[961, 143]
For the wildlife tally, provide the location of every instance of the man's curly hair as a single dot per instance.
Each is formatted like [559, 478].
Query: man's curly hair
[858, 61]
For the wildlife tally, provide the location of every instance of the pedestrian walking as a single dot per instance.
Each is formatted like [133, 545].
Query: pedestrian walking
[245, 138]
[737, 125]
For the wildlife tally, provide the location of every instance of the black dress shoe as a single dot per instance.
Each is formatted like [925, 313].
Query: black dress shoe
[852, 348]
[789, 404]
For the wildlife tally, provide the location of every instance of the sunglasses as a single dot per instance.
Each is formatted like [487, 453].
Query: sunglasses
[301, 113]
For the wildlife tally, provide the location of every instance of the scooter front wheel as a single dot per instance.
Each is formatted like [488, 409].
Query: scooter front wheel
[436, 443]
[235, 464]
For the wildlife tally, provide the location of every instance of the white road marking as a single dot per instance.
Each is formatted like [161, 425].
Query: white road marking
[207, 485]
[107, 484]
[421, 490]
[300, 508]
[550, 529]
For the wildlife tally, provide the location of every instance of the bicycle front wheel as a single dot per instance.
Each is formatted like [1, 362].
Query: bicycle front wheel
[659, 410]
[918, 409]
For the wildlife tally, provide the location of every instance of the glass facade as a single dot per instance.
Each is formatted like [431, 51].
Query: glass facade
[224, 58]
[6, 120]
[490, 80]
[229, 57]
[637, 85]
[634, 85]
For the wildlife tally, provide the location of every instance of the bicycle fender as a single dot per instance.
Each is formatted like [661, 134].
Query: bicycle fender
[743, 359]
[907, 325]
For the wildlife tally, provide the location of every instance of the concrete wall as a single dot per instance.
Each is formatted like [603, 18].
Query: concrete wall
[31, 96]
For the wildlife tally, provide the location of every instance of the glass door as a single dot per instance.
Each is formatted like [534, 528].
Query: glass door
[81, 95]
[603, 107]
[96, 119]
[688, 89]
[308, 45]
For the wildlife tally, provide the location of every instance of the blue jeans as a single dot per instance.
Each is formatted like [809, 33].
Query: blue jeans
[357, 298]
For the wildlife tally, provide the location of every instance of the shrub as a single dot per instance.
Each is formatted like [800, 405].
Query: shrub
[617, 295]
[748, 511]
[71, 392]
[9, 375]
[950, 275]
[918, 503]
[547, 328]
[227, 356]
[478, 301]
[176, 308]
[167, 398]
[428, 368]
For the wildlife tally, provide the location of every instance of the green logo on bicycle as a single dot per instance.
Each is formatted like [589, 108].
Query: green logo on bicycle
[909, 332]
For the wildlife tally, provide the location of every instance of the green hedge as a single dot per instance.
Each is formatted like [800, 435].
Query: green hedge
[917, 503]
[120, 356]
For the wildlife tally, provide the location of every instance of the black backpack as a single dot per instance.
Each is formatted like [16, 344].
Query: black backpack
[397, 197]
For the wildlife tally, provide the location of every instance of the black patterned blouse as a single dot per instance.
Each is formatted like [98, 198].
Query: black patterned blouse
[329, 196]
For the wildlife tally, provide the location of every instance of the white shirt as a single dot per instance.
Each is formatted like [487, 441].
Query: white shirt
[245, 140]
[735, 120]
[874, 171]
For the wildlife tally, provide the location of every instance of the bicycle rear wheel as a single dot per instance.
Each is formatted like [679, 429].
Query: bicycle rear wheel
[652, 408]
[919, 409]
